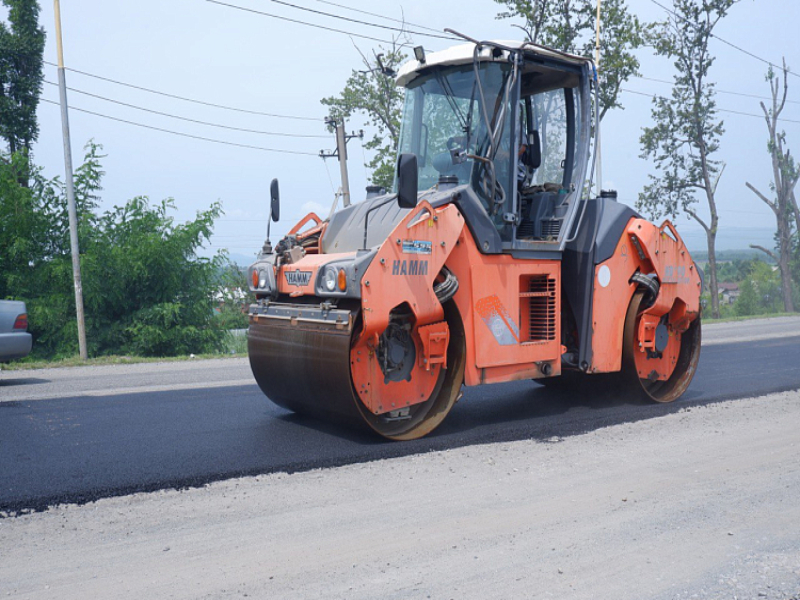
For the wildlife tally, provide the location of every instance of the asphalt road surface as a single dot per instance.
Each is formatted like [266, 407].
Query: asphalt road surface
[140, 431]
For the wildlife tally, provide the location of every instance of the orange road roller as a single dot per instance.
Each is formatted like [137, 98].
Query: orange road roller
[490, 260]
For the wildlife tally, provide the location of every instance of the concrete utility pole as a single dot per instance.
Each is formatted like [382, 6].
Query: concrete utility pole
[72, 210]
[597, 151]
[341, 153]
[341, 147]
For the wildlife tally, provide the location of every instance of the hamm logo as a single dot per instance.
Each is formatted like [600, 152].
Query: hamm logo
[410, 267]
[298, 278]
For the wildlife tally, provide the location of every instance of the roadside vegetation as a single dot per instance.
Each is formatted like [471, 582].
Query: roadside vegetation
[146, 290]
[749, 288]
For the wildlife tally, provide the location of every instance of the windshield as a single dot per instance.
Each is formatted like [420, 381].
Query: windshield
[443, 115]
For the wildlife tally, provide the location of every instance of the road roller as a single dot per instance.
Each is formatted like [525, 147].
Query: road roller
[490, 259]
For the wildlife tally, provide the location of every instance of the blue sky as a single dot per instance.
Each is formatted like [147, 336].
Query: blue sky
[216, 54]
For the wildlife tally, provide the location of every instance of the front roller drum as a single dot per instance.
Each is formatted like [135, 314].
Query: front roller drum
[304, 366]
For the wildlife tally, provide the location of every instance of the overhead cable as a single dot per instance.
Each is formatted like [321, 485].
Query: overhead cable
[725, 110]
[718, 91]
[724, 41]
[187, 119]
[186, 135]
[176, 97]
[359, 22]
[266, 14]
[372, 14]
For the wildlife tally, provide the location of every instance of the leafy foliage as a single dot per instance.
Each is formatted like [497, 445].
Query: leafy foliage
[373, 94]
[687, 131]
[21, 49]
[760, 291]
[569, 25]
[785, 174]
[145, 290]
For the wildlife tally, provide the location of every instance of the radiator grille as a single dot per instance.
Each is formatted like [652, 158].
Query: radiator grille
[537, 308]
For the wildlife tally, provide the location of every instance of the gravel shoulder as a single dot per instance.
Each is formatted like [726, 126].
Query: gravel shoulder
[697, 504]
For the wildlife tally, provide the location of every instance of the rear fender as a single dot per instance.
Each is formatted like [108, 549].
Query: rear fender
[648, 249]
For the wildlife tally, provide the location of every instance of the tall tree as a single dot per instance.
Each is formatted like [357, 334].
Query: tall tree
[569, 25]
[785, 174]
[372, 93]
[687, 131]
[21, 51]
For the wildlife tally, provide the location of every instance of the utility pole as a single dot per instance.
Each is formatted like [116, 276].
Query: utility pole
[341, 153]
[597, 150]
[341, 148]
[71, 209]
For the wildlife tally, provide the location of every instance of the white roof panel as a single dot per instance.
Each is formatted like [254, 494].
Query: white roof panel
[462, 54]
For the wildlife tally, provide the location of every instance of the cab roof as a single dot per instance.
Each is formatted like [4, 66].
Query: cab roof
[463, 53]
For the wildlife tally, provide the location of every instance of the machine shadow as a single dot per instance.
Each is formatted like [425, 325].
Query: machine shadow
[504, 412]
[16, 381]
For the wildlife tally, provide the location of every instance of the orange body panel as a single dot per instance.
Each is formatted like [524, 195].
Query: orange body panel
[649, 249]
[511, 331]
[298, 279]
[309, 217]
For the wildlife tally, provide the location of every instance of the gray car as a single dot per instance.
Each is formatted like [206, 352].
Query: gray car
[15, 341]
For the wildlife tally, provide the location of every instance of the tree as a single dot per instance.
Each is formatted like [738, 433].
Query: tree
[785, 174]
[373, 93]
[21, 50]
[760, 291]
[569, 25]
[687, 131]
[23, 226]
[147, 292]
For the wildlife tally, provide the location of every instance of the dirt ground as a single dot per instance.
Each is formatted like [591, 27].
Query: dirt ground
[703, 503]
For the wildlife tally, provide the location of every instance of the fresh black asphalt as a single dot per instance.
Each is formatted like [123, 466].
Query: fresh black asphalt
[85, 448]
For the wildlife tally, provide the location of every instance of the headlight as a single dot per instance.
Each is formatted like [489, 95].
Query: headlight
[330, 278]
[262, 278]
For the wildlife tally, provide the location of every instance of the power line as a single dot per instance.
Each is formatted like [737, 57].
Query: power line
[372, 14]
[359, 22]
[757, 97]
[725, 110]
[266, 14]
[187, 135]
[187, 119]
[724, 41]
[183, 98]
[737, 112]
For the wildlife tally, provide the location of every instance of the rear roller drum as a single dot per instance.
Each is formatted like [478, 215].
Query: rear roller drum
[640, 369]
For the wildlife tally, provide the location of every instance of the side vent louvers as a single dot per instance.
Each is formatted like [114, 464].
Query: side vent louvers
[537, 307]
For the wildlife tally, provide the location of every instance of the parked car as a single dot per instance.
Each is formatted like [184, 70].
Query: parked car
[15, 341]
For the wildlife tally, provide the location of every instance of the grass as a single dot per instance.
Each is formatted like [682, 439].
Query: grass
[732, 319]
[235, 347]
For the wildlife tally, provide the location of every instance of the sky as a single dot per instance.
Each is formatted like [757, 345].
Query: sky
[220, 55]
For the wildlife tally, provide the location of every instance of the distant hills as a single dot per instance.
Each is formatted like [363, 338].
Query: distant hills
[242, 260]
[729, 238]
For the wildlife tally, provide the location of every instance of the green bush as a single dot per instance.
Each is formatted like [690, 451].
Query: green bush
[146, 292]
